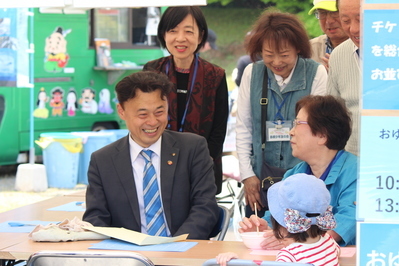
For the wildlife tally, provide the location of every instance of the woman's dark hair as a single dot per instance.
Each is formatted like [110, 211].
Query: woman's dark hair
[146, 81]
[328, 116]
[279, 29]
[174, 15]
[313, 232]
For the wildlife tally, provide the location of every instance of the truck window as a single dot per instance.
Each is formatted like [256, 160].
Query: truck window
[126, 28]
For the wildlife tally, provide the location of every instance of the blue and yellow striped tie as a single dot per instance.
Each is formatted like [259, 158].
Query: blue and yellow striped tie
[156, 225]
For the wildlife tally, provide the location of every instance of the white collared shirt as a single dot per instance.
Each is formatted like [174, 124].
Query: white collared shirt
[138, 163]
[281, 82]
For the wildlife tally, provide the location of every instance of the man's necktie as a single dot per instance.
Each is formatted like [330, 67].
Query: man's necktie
[156, 225]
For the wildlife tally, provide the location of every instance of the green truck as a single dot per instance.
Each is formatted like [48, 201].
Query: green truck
[58, 71]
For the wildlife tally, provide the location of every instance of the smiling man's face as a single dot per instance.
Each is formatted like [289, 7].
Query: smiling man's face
[330, 23]
[349, 13]
[146, 116]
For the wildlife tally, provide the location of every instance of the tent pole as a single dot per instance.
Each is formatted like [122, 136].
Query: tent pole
[32, 87]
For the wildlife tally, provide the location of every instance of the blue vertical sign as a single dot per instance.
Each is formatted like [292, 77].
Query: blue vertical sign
[379, 1]
[381, 60]
[378, 244]
[378, 184]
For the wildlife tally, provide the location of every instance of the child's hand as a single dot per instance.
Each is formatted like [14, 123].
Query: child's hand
[223, 258]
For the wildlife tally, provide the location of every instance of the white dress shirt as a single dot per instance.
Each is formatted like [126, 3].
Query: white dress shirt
[138, 164]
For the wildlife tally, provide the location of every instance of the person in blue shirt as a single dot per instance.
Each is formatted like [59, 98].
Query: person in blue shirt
[318, 137]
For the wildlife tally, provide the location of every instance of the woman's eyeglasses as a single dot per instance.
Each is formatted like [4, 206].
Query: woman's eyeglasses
[321, 14]
[297, 122]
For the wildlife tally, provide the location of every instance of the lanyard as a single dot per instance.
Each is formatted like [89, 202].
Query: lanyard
[189, 91]
[278, 115]
[327, 171]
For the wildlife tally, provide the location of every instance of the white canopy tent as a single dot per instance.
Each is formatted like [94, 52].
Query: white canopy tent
[88, 4]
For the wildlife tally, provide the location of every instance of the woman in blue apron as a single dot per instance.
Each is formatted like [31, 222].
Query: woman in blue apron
[288, 74]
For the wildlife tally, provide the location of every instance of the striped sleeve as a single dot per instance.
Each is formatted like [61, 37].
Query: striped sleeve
[285, 256]
[325, 252]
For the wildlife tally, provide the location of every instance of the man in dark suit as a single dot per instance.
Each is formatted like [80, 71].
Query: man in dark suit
[183, 167]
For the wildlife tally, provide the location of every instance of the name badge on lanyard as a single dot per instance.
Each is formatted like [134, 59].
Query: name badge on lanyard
[278, 130]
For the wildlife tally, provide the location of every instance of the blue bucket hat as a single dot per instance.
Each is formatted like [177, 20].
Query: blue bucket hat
[300, 201]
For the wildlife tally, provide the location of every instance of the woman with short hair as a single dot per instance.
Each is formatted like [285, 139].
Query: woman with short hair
[280, 39]
[321, 129]
[199, 101]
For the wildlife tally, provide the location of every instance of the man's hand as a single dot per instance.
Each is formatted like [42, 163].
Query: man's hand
[325, 61]
[251, 189]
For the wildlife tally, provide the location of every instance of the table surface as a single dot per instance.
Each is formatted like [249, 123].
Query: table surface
[33, 212]
[204, 250]
[17, 246]
[80, 193]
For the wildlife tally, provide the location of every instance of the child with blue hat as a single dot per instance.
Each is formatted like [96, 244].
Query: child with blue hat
[301, 216]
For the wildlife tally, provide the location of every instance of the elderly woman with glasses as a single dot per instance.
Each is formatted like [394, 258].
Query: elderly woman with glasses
[321, 129]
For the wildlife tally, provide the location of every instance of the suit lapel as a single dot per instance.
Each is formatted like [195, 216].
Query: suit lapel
[169, 159]
[123, 167]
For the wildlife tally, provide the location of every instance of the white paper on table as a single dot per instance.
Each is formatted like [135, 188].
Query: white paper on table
[133, 236]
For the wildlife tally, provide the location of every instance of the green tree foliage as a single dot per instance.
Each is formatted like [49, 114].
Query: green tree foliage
[291, 6]
[238, 3]
[298, 7]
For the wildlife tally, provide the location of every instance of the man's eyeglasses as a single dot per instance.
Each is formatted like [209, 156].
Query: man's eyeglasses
[321, 14]
[297, 122]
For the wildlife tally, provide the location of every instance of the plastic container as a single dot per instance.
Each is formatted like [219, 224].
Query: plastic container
[61, 152]
[119, 133]
[92, 141]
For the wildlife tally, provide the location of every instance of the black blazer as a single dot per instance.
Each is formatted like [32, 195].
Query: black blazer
[187, 186]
